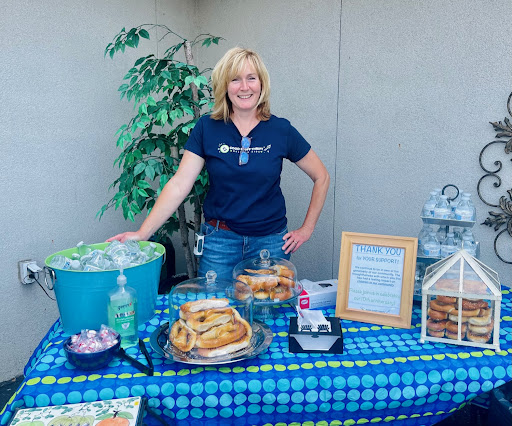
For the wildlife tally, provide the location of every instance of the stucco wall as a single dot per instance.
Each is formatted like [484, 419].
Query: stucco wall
[395, 97]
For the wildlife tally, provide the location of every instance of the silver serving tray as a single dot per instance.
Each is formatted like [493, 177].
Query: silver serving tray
[261, 338]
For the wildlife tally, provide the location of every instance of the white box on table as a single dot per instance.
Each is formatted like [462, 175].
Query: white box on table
[318, 294]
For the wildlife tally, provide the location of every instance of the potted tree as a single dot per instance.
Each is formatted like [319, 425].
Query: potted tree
[169, 96]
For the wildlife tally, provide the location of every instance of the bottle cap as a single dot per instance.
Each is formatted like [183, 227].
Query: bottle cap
[121, 279]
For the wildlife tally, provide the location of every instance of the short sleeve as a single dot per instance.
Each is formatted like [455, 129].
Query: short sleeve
[195, 140]
[298, 147]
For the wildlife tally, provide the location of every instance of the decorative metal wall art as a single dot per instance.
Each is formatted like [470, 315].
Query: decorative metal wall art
[498, 219]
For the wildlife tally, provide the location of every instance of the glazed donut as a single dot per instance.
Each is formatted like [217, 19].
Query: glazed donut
[201, 305]
[485, 312]
[454, 335]
[281, 293]
[481, 328]
[288, 282]
[437, 315]
[470, 304]
[455, 318]
[283, 271]
[437, 306]
[182, 336]
[226, 349]
[220, 335]
[454, 327]
[436, 325]
[481, 320]
[466, 313]
[204, 320]
[435, 333]
[446, 300]
[479, 338]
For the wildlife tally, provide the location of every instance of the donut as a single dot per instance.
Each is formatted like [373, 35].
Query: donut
[281, 293]
[436, 325]
[446, 300]
[485, 312]
[479, 338]
[481, 328]
[455, 318]
[437, 306]
[454, 327]
[480, 320]
[201, 305]
[259, 283]
[435, 333]
[220, 335]
[288, 282]
[470, 304]
[466, 313]
[283, 271]
[454, 335]
[204, 320]
[437, 315]
[182, 336]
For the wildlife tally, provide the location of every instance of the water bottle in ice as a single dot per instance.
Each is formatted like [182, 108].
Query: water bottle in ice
[448, 247]
[442, 209]
[96, 262]
[133, 247]
[469, 245]
[149, 250]
[423, 237]
[119, 254]
[83, 249]
[60, 262]
[430, 204]
[464, 211]
[432, 248]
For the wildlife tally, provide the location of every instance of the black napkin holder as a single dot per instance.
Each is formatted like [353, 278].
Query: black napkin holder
[330, 342]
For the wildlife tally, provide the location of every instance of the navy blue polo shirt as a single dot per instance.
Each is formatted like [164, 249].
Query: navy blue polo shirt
[248, 197]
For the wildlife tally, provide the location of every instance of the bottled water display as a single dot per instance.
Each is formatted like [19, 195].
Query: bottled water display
[423, 237]
[464, 211]
[469, 245]
[442, 210]
[429, 206]
[116, 255]
[448, 247]
[441, 234]
[432, 248]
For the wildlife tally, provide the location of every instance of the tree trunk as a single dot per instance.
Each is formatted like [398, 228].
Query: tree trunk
[198, 210]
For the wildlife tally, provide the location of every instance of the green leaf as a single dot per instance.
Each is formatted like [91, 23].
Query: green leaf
[142, 192]
[139, 61]
[189, 79]
[163, 180]
[160, 144]
[130, 215]
[123, 87]
[143, 184]
[143, 33]
[139, 168]
[135, 39]
[151, 101]
[200, 80]
[135, 208]
[150, 172]
[140, 125]
[207, 42]
[188, 110]
[124, 126]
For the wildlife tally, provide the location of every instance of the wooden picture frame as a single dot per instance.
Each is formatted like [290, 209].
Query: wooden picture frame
[376, 279]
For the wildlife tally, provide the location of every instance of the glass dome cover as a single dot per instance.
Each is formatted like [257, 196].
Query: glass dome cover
[210, 318]
[272, 280]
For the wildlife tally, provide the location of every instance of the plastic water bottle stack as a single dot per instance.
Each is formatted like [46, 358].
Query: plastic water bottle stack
[116, 255]
[439, 207]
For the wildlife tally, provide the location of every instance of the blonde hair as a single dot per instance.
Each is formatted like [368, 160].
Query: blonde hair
[229, 66]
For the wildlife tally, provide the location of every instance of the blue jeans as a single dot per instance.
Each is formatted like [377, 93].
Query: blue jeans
[223, 250]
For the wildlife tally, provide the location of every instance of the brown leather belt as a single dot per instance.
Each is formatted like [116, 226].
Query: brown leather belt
[219, 224]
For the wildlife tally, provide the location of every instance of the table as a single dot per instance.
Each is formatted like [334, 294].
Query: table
[385, 374]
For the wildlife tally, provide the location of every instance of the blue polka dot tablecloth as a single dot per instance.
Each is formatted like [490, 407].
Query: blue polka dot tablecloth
[384, 376]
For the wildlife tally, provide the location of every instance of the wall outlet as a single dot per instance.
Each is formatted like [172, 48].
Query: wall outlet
[26, 267]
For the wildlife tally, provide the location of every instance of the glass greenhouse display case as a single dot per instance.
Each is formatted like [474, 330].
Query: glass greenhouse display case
[461, 302]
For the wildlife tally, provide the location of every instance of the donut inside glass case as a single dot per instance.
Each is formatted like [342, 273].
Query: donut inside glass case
[461, 302]
[210, 319]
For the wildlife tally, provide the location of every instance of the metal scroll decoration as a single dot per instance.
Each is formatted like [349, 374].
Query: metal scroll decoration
[498, 219]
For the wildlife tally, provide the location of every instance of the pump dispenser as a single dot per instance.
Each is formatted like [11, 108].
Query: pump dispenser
[122, 312]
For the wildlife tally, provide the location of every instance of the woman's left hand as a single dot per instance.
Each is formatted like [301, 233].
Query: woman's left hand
[294, 239]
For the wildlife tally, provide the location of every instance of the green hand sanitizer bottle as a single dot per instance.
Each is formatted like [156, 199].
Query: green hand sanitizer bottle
[122, 312]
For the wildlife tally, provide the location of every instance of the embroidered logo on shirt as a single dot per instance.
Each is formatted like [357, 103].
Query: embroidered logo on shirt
[225, 148]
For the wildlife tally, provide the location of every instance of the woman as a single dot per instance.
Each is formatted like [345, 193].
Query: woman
[243, 146]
